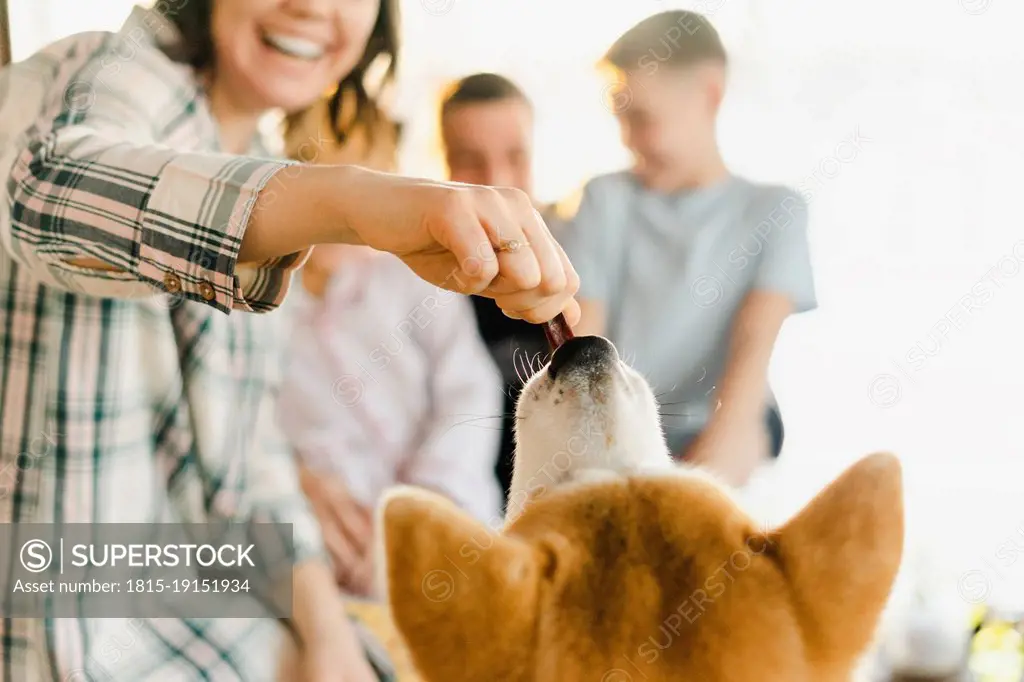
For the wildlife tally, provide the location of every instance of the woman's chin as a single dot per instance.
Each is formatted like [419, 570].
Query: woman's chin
[273, 88]
[289, 96]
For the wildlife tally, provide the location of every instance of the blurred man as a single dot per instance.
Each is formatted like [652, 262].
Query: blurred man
[487, 132]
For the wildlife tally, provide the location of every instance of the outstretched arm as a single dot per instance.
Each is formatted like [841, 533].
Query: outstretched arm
[97, 203]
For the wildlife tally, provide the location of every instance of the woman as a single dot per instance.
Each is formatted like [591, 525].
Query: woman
[137, 239]
[413, 382]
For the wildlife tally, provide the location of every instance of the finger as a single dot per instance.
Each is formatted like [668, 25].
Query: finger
[341, 552]
[461, 232]
[516, 304]
[364, 576]
[355, 524]
[551, 264]
[442, 270]
[572, 278]
[504, 219]
[348, 516]
[368, 515]
[572, 312]
[556, 269]
[545, 311]
[338, 507]
[533, 307]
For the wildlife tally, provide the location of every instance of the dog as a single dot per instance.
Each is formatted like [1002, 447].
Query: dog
[620, 566]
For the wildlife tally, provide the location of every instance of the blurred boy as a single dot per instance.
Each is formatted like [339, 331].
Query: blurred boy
[689, 269]
[487, 132]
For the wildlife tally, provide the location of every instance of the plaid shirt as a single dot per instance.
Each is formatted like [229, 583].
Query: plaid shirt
[143, 393]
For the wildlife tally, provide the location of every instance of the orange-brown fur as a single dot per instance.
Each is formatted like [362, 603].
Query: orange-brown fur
[650, 578]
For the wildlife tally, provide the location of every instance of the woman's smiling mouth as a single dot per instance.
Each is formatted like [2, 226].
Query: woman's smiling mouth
[293, 46]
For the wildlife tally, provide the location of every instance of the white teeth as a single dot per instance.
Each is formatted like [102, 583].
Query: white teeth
[296, 47]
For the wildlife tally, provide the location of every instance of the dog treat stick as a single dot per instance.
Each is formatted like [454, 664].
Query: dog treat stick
[557, 331]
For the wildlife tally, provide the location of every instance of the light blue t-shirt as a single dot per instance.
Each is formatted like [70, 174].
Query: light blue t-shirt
[673, 269]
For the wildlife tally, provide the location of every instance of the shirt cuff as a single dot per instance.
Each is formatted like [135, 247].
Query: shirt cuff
[192, 229]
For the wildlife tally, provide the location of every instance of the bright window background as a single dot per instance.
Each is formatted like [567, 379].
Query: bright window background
[903, 121]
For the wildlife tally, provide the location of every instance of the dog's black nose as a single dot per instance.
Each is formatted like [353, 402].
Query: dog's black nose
[582, 351]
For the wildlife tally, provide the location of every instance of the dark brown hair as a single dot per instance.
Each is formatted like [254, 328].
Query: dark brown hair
[194, 17]
[479, 88]
[676, 38]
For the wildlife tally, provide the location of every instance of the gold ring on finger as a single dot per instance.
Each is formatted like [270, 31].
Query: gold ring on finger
[510, 246]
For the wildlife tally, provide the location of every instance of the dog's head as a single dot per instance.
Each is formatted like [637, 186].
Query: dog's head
[642, 574]
[587, 415]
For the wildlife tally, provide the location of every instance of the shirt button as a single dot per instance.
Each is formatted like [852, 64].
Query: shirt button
[172, 283]
[207, 291]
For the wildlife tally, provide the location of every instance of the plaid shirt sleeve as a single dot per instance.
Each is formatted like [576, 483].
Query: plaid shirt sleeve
[97, 177]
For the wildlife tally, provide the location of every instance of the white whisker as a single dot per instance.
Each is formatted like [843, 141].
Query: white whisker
[536, 361]
[515, 363]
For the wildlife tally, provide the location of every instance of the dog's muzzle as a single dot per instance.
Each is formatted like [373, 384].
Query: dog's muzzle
[592, 355]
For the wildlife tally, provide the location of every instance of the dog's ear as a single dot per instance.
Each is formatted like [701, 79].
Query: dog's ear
[841, 554]
[463, 596]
